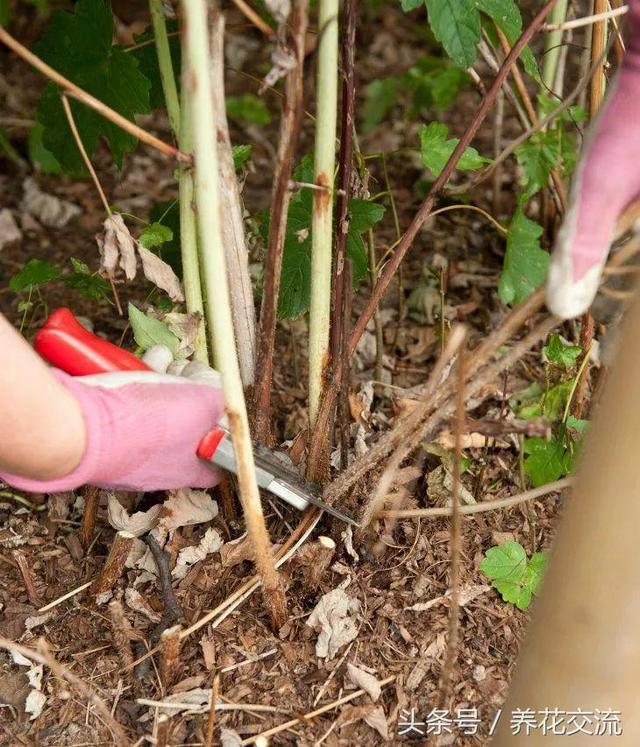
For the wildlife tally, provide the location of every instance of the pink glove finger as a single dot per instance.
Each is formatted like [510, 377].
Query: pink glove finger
[607, 180]
[140, 436]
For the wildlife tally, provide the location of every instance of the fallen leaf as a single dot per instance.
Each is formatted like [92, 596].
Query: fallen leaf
[185, 327]
[50, 210]
[347, 537]
[197, 700]
[137, 524]
[158, 272]
[211, 542]
[470, 441]
[236, 551]
[417, 674]
[364, 681]
[440, 487]
[117, 247]
[333, 618]
[377, 720]
[230, 738]
[9, 231]
[36, 699]
[467, 593]
[185, 507]
[135, 601]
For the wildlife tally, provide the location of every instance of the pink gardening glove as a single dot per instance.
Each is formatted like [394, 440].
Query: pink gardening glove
[143, 429]
[606, 180]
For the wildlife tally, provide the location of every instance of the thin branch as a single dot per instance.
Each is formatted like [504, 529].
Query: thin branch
[312, 714]
[75, 92]
[479, 508]
[218, 308]
[292, 113]
[427, 206]
[165, 65]
[83, 153]
[249, 13]
[586, 20]
[455, 535]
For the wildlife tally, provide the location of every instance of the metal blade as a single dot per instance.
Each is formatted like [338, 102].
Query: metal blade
[293, 494]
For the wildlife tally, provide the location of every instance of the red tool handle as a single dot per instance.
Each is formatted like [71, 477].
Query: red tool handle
[66, 344]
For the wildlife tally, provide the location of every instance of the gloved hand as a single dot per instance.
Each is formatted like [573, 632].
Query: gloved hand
[606, 181]
[142, 431]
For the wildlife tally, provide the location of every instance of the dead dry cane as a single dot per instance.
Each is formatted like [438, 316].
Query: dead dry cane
[114, 564]
[216, 282]
[170, 665]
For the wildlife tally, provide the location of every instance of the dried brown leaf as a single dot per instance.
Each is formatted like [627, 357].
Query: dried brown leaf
[137, 524]
[334, 619]
[117, 247]
[158, 272]
[185, 507]
[364, 681]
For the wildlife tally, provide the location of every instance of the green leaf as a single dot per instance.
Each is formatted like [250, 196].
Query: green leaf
[147, 59]
[537, 157]
[508, 18]
[525, 262]
[562, 355]
[535, 571]
[79, 46]
[547, 461]
[577, 424]
[38, 154]
[456, 25]
[35, 274]
[507, 561]
[295, 278]
[515, 579]
[155, 234]
[248, 108]
[168, 214]
[148, 331]
[381, 96]
[241, 154]
[85, 282]
[437, 148]
[408, 5]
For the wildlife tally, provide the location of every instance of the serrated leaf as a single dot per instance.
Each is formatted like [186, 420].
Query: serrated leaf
[456, 25]
[148, 331]
[85, 282]
[525, 262]
[381, 96]
[535, 571]
[514, 592]
[508, 18]
[437, 147]
[248, 108]
[537, 157]
[506, 562]
[577, 424]
[38, 154]
[560, 354]
[155, 234]
[408, 5]
[79, 45]
[515, 579]
[241, 154]
[295, 278]
[547, 461]
[435, 81]
[35, 274]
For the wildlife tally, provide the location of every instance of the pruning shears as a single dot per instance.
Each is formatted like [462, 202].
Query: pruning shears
[66, 344]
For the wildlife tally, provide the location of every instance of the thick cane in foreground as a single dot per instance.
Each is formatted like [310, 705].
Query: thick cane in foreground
[583, 647]
[65, 343]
